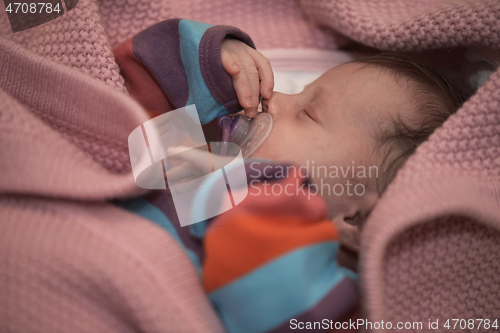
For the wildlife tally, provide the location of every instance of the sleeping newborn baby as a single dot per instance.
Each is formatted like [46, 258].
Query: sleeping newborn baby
[367, 117]
[269, 264]
[356, 124]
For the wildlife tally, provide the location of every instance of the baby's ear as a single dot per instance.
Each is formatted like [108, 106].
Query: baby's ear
[350, 222]
[348, 231]
[353, 219]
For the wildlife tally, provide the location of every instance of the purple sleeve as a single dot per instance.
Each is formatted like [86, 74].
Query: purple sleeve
[215, 76]
[181, 59]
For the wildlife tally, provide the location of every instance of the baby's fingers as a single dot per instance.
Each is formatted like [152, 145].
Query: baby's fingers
[266, 75]
[229, 63]
[247, 68]
[246, 85]
[253, 81]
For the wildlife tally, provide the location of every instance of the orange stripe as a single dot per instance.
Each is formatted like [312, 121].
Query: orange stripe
[236, 245]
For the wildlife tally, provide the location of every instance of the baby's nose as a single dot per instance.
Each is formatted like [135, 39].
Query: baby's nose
[273, 105]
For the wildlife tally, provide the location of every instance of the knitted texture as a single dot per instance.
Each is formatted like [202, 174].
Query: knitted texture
[417, 262]
[84, 37]
[462, 286]
[138, 14]
[76, 39]
[72, 262]
[410, 25]
[110, 153]
[271, 24]
[56, 99]
[60, 94]
[55, 276]
[469, 142]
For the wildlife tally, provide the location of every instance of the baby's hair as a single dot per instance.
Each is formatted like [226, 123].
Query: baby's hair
[435, 97]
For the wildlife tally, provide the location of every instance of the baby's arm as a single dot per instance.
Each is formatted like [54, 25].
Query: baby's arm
[178, 62]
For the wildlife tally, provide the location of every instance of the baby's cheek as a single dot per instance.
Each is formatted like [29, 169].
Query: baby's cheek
[271, 148]
[262, 151]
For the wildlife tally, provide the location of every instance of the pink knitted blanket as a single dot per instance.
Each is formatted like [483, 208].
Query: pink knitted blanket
[430, 248]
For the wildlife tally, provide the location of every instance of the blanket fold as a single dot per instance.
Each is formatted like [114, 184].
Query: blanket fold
[429, 248]
[450, 186]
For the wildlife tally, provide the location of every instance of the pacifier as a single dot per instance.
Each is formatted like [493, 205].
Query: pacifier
[248, 134]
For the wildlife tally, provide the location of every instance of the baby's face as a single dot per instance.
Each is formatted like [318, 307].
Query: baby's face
[334, 125]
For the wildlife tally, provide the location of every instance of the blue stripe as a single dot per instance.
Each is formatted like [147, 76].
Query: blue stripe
[280, 290]
[190, 33]
[144, 208]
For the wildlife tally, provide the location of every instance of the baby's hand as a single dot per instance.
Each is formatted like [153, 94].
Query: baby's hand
[250, 72]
